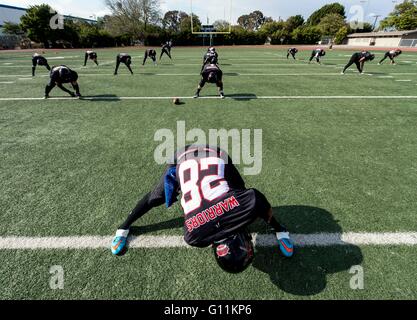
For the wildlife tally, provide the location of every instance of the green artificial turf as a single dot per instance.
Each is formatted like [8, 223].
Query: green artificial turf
[77, 167]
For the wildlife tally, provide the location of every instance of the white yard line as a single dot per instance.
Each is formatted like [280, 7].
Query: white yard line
[27, 76]
[260, 240]
[115, 98]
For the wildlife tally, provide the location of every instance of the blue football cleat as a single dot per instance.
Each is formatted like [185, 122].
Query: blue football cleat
[118, 245]
[285, 244]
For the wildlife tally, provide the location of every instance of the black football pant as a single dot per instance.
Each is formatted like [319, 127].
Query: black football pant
[293, 55]
[146, 58]
[34, 64]
[118, 64]
[387, 55]
[94, 58]
[52, 85]
[353, 60]
[166, 52]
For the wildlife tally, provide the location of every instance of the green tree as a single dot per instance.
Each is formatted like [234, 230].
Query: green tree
[270, 28]
[306, 35]
[404, 17]
[341, 35]
[294, 22]
[331, 24]
[366, 27]
[133, 16]
[11, 28]
[222, 25]
[36, 23]
[172, 20]
[253, 21]
[185, 25]
[316, 17]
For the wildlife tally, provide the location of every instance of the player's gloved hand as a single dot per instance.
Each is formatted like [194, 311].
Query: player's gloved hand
[118, 245]
[285, 244]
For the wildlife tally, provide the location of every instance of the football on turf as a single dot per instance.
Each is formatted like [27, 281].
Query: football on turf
[176, 101]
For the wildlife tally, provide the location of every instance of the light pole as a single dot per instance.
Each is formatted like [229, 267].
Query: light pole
[376, 16]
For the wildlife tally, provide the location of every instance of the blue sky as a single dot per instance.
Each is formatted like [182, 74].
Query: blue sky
[215, 9]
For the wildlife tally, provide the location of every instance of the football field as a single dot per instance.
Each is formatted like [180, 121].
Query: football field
[339, 166]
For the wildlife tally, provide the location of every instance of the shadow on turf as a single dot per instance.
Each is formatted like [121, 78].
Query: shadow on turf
[242, 96]
[164, 225]
[102, 97]
[306, 272]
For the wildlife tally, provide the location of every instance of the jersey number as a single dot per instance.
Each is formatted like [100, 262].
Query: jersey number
[197, 183]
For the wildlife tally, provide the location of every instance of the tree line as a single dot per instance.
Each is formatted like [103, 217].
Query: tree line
[141, 22]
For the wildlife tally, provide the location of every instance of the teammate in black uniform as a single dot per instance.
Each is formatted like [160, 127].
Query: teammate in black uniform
[151, 53]
[60, 75]
[123, 58]
[292, 52]
[166, 48]
[210, 57]
[90, 55]
[216, 204]
[359, 58]
[212, 74]
[317, 54]
[37, 59]
[391, 55]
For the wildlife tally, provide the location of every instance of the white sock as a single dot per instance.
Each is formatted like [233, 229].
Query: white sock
[122, 233]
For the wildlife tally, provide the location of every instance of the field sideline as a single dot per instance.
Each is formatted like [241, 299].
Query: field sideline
[339, 168]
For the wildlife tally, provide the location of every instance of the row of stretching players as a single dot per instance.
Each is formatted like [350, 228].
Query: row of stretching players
[358, 58]
[210, 72]
[39, 60]
[59, 75]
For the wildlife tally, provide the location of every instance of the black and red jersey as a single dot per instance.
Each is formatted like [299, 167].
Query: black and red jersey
[212, 193]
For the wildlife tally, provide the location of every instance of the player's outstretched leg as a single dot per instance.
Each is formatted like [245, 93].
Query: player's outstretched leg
[76, 88]
[220, 87]
[383, 59]
[351, 61]
[48, 89]
[281, 233]
[60, 86]
[117, 66]
[145, 58]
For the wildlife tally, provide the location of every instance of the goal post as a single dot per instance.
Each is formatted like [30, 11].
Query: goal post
[211, 31]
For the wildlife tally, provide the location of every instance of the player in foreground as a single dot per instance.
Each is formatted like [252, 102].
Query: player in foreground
[38, 60]
[125, 59]
[166, 48]
[60, 75]
[211, 73]
[317, 54]
[292, 52]
[359, 58]
[151, 53]
[216, 204]
[391, 55]
[90, 55]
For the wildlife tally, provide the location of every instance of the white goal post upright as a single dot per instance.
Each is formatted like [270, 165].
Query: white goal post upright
[211, 33]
